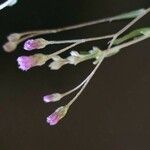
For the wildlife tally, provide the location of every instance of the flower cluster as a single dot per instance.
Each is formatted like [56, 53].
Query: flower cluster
[57, 61]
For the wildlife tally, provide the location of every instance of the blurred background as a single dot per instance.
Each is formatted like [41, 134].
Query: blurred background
[113, 112]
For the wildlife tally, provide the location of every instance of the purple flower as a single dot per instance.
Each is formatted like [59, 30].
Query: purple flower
[32, 44]
[25, 62]
[56, 116]
[52, 97]
[53, 119]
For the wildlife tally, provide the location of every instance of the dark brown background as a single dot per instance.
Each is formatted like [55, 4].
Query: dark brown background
[113, 112]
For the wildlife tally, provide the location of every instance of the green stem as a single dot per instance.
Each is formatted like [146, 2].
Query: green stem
[131, 35]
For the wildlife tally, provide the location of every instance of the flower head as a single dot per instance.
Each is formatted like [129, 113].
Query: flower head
[27, 62]
[52, 97]
[56, 116]
[35, 44]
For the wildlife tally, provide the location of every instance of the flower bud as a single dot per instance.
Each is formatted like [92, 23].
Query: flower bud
[27, 62]
[14, 37]
[35, 44]
[56, 116]
[9, 46]
[52, 97]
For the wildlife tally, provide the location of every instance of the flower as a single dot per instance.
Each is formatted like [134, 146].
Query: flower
[56, 116]
[52, 97]
[35, 44]
[27, 62]
[57, 63]
[10, 46]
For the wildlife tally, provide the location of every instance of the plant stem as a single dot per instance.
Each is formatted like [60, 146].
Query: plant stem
[87, 81]
[77, 42]
[82, 40]
[86, 24]
[128, 26]
[106, 53]
[63, 50]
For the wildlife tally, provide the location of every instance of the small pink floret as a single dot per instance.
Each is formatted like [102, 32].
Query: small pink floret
[48, 98]
[31, 45]
[53, 119]
[25, 62]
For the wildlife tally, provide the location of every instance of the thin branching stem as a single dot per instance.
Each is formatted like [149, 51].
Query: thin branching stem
[128, 26]
[86, 83]
[110, 51]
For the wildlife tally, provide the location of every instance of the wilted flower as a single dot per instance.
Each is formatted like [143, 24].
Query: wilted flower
[56, 116]
[27, 62]
[57, 63]
[35, 44]
[10, 46]
[52, 97]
